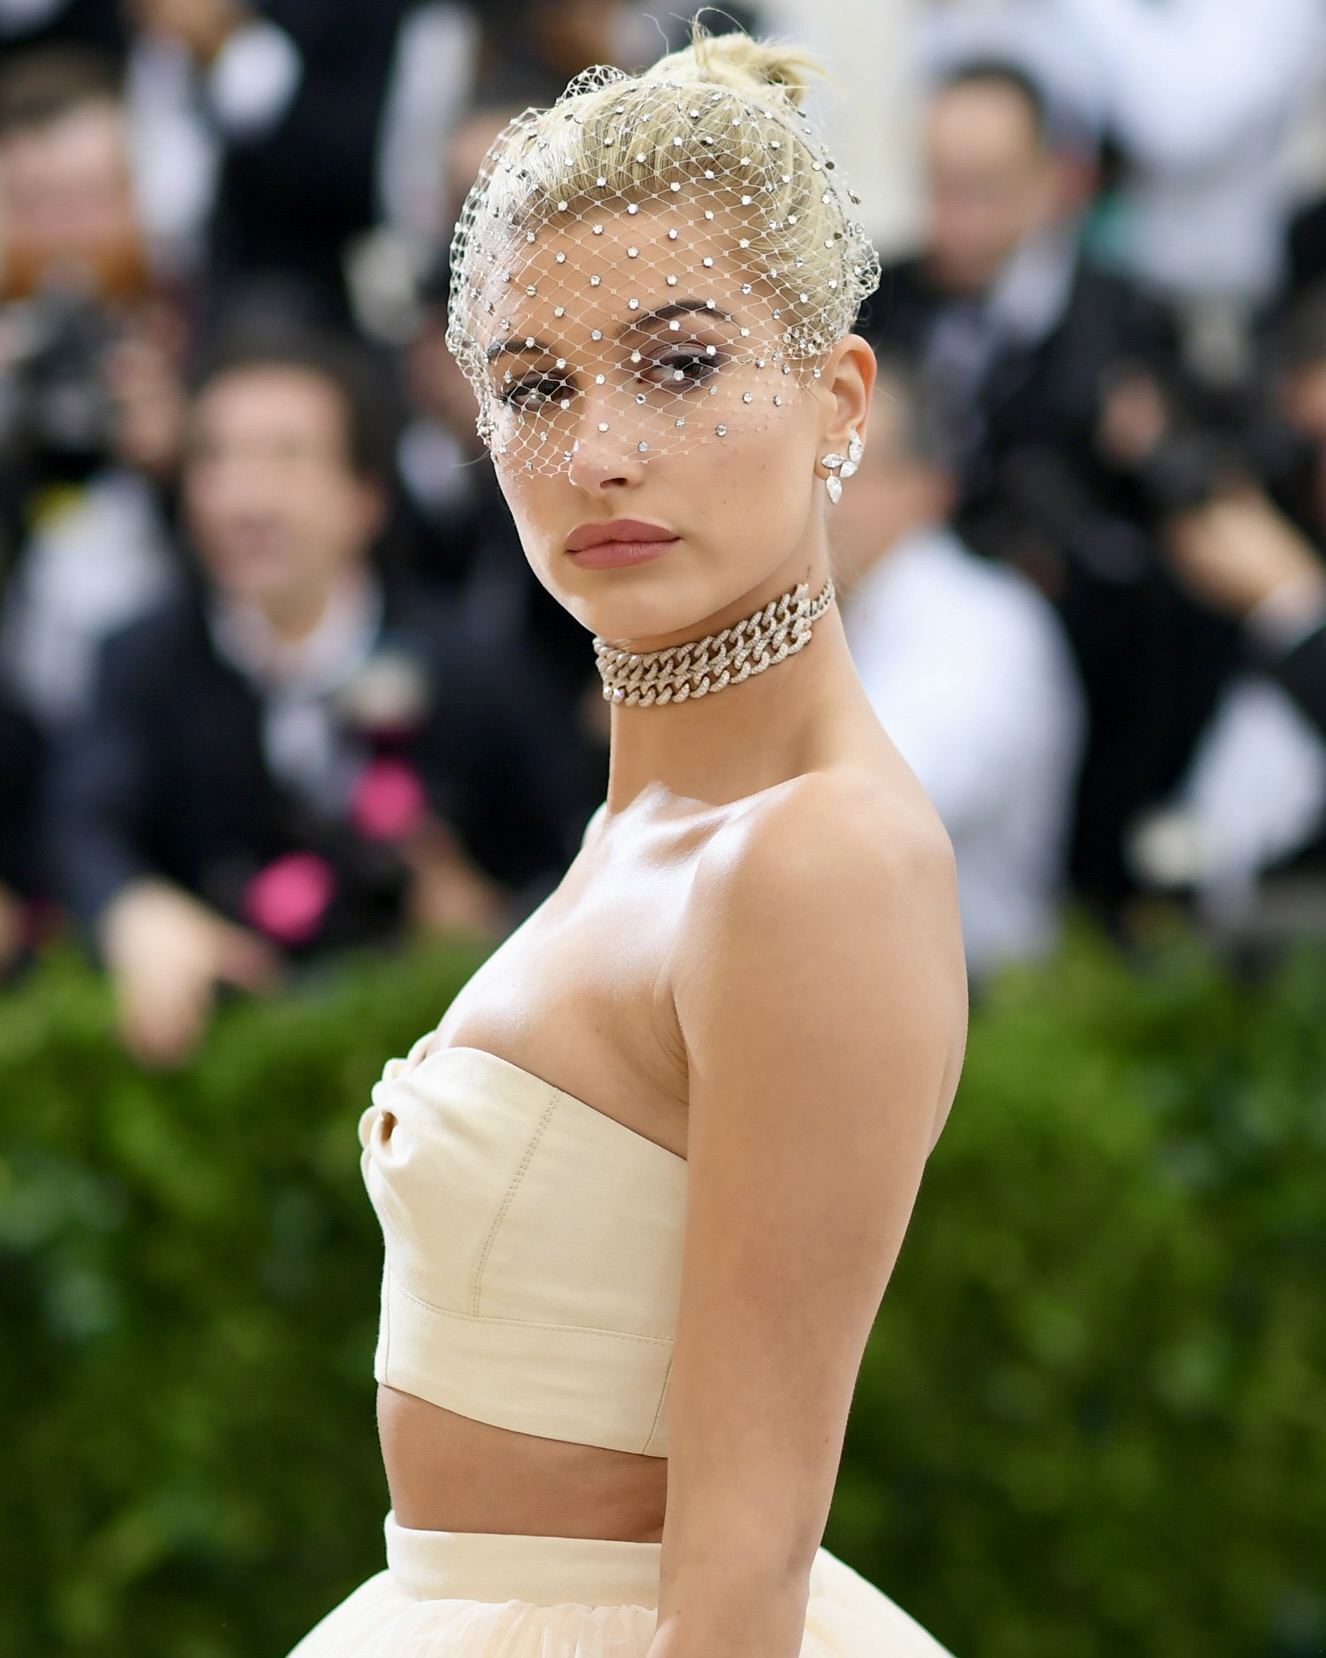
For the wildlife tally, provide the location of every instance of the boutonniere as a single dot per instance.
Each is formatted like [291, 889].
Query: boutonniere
[388, 696]
[288, 898]
[388, 802]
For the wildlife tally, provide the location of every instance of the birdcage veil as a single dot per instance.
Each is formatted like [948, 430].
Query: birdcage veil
[655, 261]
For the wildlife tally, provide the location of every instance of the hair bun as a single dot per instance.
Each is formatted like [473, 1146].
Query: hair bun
[753, 68]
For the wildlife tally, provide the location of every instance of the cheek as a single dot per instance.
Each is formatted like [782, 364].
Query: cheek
[748, 493]
[735, 480]
[329, 509]
[544, 511]
[748, 501]
[528, 499]
[211, 504]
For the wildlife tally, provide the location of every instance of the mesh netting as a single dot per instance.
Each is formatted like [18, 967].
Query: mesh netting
[655, 261]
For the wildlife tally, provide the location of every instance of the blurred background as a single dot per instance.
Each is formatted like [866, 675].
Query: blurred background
[289, 737]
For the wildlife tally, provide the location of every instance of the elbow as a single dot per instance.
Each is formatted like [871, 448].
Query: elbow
[756, 1558]
[736, 1599]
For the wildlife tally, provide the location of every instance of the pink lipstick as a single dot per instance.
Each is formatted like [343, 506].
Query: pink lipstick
[617, 542]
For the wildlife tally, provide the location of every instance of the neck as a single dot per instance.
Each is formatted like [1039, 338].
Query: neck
[856, 564]
[293, 618]
[749, 737]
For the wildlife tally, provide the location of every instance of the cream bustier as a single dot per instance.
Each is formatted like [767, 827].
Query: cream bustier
[533, 1252]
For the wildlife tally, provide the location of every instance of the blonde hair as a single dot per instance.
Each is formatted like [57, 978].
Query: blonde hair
[722, 116]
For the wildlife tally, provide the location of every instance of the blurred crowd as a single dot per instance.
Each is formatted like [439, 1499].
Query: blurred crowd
[274, 678]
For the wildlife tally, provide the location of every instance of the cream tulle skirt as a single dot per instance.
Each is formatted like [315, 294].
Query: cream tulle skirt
[450, 1594]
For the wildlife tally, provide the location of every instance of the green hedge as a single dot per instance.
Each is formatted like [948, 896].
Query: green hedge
[1092, 1420]
[1093, 1416]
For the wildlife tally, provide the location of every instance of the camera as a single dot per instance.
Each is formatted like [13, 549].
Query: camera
[54, 402]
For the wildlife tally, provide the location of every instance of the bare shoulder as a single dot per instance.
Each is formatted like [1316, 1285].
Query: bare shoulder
[823, 923]
[828, 843]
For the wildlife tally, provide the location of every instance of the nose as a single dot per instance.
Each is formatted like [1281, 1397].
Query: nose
[606, 453]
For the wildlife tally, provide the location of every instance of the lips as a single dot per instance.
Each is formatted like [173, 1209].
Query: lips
[631, 530]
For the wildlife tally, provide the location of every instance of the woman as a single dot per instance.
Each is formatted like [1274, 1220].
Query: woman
[643, 1187]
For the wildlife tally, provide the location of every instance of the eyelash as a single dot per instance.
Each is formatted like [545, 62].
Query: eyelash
[675, 360]
[532, 393]
[537, 391]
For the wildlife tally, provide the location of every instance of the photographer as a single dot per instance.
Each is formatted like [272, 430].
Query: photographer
[1240, 518]
[1256, 556]
[90, 401]
[1019, 337]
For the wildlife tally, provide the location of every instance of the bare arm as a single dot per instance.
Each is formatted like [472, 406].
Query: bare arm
[822, 1004]
[168, 953]
[1238, 552]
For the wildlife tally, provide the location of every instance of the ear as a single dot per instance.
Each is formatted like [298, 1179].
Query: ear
[847, 379]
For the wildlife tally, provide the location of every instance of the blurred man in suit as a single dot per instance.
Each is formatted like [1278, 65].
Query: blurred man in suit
[967, 667]
[300, 753]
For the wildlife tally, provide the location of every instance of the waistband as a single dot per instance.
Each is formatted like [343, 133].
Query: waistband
[541, 1571]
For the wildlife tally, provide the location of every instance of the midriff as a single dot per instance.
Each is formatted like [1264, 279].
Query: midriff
[449, 1473]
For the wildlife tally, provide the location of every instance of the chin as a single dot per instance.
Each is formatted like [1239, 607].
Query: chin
[629, 615]
[252, 577]
[652, 602]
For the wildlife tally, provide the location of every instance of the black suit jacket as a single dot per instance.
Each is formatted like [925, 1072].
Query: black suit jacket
[1302, 673]
[96, 23]
[20, 763]
[290, 199]
[167, 776]
[1307, 249]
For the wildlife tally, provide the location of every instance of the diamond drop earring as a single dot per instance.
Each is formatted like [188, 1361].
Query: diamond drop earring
[842, 466]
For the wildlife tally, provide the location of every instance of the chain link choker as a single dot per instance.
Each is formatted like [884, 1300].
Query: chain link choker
[705, 666]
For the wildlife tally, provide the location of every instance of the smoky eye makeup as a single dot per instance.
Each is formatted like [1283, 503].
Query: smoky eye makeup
[529, 384]
[536, 390]
[669, 364]
[682, 366]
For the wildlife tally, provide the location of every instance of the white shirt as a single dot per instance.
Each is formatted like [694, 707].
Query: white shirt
[97, 560]
[1202, 95]
[1256, 790]
[969, 672]
[301, 736]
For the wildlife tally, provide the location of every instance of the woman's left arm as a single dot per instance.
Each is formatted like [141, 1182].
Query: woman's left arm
[821, 997]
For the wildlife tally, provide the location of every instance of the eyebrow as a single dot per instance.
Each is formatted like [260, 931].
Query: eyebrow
[522, 345]
[668, 313]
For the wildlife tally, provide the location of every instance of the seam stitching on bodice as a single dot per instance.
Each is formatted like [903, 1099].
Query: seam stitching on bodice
[529, 1323]
[658, 1413]
[516, 1179]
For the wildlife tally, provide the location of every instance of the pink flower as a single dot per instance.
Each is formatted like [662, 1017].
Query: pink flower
[388, 801]
[289, 898]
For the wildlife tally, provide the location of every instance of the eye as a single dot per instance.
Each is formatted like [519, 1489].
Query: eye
[683, 367]
[535, 391]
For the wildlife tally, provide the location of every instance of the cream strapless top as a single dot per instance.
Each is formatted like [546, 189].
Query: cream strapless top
[533, 1251]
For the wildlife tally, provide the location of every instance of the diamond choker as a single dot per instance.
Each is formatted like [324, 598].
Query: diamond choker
[704, 666]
